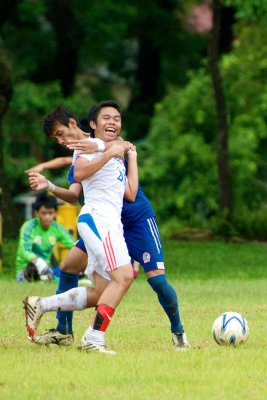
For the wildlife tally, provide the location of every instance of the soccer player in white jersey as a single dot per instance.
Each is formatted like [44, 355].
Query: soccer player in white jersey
[104, 184]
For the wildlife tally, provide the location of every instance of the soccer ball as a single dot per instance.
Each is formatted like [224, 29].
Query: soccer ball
[230, 329]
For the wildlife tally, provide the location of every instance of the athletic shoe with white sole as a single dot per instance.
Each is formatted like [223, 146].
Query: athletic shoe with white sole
[52, 336]
[91, 346]
[180, 342]
[33, 315]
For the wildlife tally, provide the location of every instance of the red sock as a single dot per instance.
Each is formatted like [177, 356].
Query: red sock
[103, 317]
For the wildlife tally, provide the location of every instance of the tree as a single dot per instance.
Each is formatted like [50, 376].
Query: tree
[159, 35]
[5, 97]
[68, 34]
[225, 196]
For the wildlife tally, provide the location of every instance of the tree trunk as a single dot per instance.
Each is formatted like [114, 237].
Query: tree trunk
[149, 88]
[225, 195]
[146, 91]
[5, 97]
[6, 7]
[68, 37]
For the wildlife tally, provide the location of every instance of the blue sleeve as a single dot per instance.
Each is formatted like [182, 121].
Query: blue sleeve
[71, 178]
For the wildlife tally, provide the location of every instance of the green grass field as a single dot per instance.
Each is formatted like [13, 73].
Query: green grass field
[210, 278]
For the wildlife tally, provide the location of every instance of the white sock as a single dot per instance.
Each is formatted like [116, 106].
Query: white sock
[95, 336]
[73, 299]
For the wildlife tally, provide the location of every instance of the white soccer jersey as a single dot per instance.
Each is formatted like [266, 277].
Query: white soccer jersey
[99, 222]
[105, 189]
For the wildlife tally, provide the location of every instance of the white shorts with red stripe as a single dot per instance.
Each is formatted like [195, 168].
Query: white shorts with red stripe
[104, 242]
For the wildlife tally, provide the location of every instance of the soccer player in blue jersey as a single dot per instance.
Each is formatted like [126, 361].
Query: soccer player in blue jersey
[144, 245]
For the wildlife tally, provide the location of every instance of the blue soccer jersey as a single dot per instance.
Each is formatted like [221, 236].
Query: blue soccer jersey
[71, 179]
[138, 210]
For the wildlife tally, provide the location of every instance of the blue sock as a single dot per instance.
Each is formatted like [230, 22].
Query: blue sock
[168, 300]
[66, 281]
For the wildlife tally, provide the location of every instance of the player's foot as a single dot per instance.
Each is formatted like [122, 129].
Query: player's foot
[180, 341]
[33, 314]
[54, 337]
[91, 346]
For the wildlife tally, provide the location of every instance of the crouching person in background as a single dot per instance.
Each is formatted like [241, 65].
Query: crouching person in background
[38, 236]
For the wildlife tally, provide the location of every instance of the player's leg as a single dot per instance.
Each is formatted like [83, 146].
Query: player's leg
[77, 298]
[74, 263]
[108, 247]
[94, 337]
[168, 299]
[70, 267]
[144, 244]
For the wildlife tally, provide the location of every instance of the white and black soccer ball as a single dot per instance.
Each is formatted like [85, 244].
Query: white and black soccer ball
[230, 329]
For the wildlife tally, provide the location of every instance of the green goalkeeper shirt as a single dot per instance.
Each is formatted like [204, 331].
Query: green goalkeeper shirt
[34, 241]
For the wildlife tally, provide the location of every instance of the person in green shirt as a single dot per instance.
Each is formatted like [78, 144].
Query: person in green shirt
[38, 236]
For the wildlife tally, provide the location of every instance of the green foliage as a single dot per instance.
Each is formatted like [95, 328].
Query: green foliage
[24, 140]
[178, 160]
[178, 164]
[9, 257]
[221, 227]
[30, 40]
[251, 225]
[252, 10]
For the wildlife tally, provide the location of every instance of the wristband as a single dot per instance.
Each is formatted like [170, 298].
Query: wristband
[51, 186]
[41, 265]
[100, 145]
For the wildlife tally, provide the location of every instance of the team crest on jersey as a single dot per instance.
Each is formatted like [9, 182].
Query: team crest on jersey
[146, 257]
[52, 240]
[37, 240]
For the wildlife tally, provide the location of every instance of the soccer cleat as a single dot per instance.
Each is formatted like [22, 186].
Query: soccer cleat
[98, 348]
[180, 342]
[52, 336]
[33, 314]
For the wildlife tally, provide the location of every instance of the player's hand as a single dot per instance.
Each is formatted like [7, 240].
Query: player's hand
[117, 150]
[36, 168]
[84, 146]
[132, 152]
[126, 145]
[47, 275]
[37, 181]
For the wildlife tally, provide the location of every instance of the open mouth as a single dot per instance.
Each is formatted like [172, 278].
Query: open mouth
[110, 129]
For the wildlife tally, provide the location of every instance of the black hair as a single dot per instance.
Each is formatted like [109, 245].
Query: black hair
[96, 108]
[60, 115]
[46, 200]
[83, 124]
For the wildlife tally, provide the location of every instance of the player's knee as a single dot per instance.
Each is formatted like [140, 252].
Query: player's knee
[66, 266]
[63, 266]
[129, 279]
[125, 277]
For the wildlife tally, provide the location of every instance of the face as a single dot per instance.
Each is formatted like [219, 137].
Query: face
[46, 216]
[62, 133]
[108, 124]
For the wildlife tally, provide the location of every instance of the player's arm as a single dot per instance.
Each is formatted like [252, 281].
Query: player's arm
[39, 182]
[132, 175]
[25, 244]
[64, 237]
[25, 250]
[84, 168]
[58, 162]
[87, 146]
